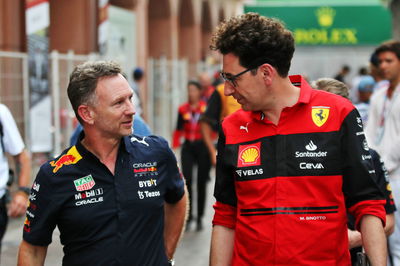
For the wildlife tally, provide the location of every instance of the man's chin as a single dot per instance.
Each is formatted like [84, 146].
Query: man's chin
[126, 132]
[245, 107]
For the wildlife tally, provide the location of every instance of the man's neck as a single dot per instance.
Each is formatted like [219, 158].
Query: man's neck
[105, 149]
[286, 95]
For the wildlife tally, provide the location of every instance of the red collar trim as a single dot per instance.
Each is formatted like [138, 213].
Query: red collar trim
[305, 88]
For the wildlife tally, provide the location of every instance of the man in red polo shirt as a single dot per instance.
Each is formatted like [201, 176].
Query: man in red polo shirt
[291, 163]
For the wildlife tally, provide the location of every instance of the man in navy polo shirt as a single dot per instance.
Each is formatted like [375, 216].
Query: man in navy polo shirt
[117, 198]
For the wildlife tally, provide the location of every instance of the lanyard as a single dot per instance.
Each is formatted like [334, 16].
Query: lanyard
[386, 111]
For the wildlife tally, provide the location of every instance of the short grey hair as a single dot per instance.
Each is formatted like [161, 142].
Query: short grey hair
[331, 85]
[83, 82]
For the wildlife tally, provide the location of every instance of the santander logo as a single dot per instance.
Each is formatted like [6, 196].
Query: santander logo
[311, 146]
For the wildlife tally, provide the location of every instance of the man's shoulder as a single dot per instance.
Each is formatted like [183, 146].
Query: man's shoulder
[239, 115]
[146, 143]
[184, 108]
[324, 98]
[62, 163]
[237, 118]
[379, 94]
[4, 110]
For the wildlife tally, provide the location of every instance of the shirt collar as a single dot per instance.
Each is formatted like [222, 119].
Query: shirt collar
[305, 94]
[84, 152]
[305, 88]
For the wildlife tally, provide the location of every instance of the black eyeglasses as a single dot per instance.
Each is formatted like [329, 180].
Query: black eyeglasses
[232, 78]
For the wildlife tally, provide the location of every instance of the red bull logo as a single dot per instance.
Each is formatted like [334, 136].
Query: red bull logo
[71, 157]
[145, 170]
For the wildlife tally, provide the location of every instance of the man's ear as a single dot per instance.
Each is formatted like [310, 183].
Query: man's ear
[268, 72]
[86, 113]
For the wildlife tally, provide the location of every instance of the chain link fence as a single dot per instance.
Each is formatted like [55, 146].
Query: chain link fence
[166, 90]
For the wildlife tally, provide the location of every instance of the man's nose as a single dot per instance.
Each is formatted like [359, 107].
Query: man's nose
[228, 88]
[131, 108]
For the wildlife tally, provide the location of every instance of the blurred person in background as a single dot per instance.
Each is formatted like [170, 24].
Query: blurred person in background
[353, 92]
[12, 144]
[376, 73]
[138, 76]
[206, 85]
[365, 89]
[194, 152]
[381, 175]
[383, 127]
[344, 71]
[218, 107]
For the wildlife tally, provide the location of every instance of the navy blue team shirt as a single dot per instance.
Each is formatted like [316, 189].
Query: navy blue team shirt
[106, 219]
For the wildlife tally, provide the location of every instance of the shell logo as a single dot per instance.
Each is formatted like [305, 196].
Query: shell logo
[249, 155]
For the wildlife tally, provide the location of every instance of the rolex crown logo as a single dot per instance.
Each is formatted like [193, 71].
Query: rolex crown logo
[325, 16]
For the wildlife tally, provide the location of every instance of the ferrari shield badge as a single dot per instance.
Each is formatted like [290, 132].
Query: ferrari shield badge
[320, 115]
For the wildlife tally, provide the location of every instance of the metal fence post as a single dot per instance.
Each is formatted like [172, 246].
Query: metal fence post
[150, 93]
[175, 89]
[70, 112]
[26, 100]
[55, 85]
[163, 89]
[183, 78]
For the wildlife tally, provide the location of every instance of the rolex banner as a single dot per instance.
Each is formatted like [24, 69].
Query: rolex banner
[40, 115]
[335, 25]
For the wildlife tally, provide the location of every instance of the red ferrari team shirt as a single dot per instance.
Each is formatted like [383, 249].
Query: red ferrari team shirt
[285, 189]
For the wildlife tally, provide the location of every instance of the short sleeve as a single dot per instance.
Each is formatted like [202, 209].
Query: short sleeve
[224, 191]
[176, 185]
[360, 189]
[41, 213]
[383, 181]
[12, 140]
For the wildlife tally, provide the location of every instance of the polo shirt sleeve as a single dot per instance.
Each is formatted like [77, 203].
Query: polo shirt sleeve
[362, 194]
[12, 140]
[41, 213]
[383, 181]
[175, 184]
[224, 191]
